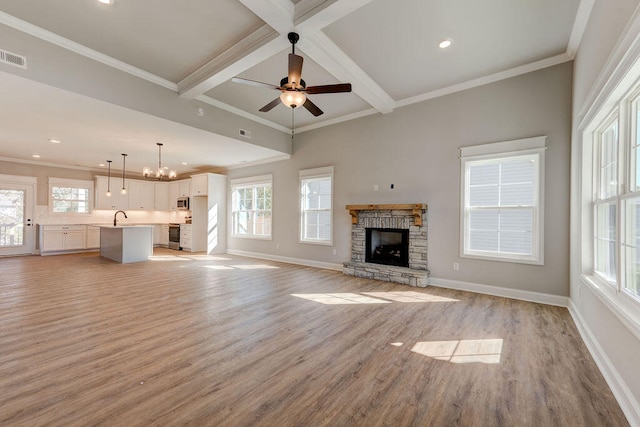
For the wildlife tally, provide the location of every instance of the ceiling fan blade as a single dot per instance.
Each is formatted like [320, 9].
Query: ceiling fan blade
[270, 105]
[295, 70]
[313, 108]
[254, 83]
[341, 87]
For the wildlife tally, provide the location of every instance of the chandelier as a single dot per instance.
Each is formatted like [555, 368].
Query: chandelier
[160, 172]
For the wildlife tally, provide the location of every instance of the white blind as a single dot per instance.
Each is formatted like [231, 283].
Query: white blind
[501, 202]
[316, 205]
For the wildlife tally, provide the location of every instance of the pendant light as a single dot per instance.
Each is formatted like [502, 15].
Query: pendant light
[124, 161]
[159, 173]
[109, 180]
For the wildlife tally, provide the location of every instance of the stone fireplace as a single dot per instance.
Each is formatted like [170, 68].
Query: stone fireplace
[389, 242]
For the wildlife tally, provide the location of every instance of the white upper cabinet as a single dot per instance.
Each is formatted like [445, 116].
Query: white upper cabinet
[185, 188]
[162, 196]
[142, 195]
[116, 200]
[200, 185]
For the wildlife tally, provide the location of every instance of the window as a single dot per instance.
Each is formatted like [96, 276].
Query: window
[606, 200]
[316, 205]
[70, 196]
[251, 205]
[502, 201]
[616, 201]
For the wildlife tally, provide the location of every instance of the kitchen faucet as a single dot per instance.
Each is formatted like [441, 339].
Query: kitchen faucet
[115, 221]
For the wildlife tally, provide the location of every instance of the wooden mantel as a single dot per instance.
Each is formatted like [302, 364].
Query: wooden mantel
[415, 208]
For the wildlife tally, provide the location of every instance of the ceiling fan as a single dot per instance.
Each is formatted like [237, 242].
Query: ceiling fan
[294, 89]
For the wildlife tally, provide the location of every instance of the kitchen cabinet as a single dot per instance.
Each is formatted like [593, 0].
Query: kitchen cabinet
[209, 214]
[93, 237]
[184, 187]
[62, 237]
[161, 196]
[185, 236]
[174, 191]
[141, 195]
[200, 185]
[164, 235]
[116, 200]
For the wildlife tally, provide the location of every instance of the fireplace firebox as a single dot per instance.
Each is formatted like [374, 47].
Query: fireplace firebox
[388, 246]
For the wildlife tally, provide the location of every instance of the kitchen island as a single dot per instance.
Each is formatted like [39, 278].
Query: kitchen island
[128, 243]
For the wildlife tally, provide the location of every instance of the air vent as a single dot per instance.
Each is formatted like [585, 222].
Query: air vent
[245, 133]
[13, 59]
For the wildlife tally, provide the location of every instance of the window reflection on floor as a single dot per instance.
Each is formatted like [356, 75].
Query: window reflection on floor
[462, 351]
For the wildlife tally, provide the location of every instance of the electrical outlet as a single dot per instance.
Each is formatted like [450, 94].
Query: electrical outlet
[375, 187]
[335, 251]
[277, 245]
[456, 266]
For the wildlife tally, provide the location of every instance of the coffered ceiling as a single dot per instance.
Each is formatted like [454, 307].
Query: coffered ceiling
[387, 49]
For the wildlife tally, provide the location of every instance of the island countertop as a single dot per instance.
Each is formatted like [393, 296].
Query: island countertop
[126, 243]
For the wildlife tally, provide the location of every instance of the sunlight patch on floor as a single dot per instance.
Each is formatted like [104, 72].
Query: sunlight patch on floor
[341, 298]
[462, 351]
[409, 296]
[219, 267]
[167, 258]
[254, 266]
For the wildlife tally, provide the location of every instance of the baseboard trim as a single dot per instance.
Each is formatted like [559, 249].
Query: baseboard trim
[288, 260]
[619, 388]
[530, 296]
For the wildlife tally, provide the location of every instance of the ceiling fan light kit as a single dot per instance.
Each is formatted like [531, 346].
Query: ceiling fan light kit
[294, 89]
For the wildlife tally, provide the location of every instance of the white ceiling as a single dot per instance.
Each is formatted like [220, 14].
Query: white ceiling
[388, 50]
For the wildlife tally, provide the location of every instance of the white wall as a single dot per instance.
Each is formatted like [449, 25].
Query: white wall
[416, 149]
[608, 336]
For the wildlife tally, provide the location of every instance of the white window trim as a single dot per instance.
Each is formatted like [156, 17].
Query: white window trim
[75, 183]
[251, 181]
[321, 172]
[498, 150]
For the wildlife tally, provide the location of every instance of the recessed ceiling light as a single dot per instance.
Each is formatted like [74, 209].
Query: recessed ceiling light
[54, 141]
[184, 163]
[101, 165]
[445, 44]
[106, 1]
[35, 156]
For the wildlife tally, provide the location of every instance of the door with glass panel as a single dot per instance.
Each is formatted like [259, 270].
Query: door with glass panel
[17, 230]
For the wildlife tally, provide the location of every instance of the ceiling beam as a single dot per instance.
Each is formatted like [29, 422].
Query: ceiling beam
[278, 14]
[259, 46]
[325, 52]
[312, 16]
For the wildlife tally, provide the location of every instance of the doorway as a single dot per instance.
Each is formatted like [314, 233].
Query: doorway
[17, 228]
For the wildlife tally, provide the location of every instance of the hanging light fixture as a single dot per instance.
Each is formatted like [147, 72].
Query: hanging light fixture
[159, 173]
[109, 180]
[124, 161]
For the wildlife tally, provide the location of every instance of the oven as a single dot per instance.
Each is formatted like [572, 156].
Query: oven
[174, 236]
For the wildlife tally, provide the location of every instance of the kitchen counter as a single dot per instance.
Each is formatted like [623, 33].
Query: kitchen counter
[126, 243]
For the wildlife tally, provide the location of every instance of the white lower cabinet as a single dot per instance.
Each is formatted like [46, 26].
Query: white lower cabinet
[185, 237]
[93, 237]
[62, 238]
[164, 235]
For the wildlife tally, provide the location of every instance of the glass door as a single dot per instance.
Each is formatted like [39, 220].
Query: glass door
[17, 230]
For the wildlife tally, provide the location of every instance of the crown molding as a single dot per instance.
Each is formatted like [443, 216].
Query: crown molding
[579, 26]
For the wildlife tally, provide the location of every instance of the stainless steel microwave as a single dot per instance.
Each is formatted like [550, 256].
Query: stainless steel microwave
[183, 203]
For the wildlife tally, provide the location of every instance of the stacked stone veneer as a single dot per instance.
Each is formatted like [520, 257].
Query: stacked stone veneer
[417, 273]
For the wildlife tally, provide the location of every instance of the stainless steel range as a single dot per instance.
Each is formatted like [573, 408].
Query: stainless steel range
[174, 236]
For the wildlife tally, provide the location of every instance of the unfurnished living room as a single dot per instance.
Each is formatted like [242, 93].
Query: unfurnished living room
[319, 213]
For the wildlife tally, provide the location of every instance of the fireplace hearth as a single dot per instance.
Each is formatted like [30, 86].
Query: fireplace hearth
[389, 242]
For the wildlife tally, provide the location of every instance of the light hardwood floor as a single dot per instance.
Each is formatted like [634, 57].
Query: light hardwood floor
[231, 341]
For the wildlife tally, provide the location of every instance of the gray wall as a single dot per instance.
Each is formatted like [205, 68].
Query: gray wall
[616, 345]
[416, 149]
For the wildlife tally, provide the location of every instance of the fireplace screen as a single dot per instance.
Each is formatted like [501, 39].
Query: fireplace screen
[389, 246]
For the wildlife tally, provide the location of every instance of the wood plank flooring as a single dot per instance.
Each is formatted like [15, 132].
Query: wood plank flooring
[230, 341]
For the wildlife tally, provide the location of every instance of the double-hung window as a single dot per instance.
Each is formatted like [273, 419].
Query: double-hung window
[70, 196]
[316, 205]
[251, 207]
[606, 200]
[502, 201]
